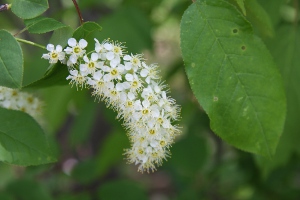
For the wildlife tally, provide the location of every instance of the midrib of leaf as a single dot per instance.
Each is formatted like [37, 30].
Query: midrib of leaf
[239, 81]
[5, 67]
[16, 140]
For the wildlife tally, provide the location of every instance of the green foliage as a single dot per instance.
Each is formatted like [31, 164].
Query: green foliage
[122, 189]
[233, 76]
[86, 29]
[42, 25]
[259, 18]
[27, 9]
[22, 141]
[241, 5]
[11, 61]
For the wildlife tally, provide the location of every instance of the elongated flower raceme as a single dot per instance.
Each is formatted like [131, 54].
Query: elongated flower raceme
[16, 100]
[132, 88]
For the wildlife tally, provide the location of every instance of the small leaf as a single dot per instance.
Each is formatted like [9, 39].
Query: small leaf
[241, 5]
[11, 61]
[85, 29]
[27, 9]
[56, 75]
[43, 25]
[233, 76]
[22, 140]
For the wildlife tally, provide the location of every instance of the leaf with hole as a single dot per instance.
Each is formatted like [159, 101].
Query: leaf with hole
[233, 76]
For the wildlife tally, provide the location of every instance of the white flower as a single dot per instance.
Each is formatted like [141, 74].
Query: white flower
[76, 50]
[90, 65]
[134, 62]
[77, 78]
[149, 72]
[54, 54]
[113, 72]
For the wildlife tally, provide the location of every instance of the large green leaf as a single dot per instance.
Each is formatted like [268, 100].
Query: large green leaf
[22, 140]
[42, 25]
[27, 9]
[233, 76]
[11, 61]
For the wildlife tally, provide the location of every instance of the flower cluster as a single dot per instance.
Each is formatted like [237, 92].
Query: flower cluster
[132, 88]
[16, 100]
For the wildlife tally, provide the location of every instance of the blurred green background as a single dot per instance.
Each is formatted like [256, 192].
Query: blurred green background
[90, 141]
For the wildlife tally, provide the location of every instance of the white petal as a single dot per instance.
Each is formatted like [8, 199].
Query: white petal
[129, 77]
[127, 57]
[131, 96]
[58, 48]
[108, 46]
[97, 75]
[106, 68]
[121, 67]
[148, 79]
[155, 113]
[144, 72]
[94, 56]
[46, 56]
[126, 85]
[91, 82]
[97, 41]
[119, 86]
[146, 103]
[128, 65]
[107, 77]
[83, 67]
[110, 55]
[72, 42]
[73, 59]
[82, 43]
[74, 72]
[50, 47]
[86, 59]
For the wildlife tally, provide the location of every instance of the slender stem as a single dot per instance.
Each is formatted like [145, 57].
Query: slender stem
[21, 31]
[78, 11]
[31, 43]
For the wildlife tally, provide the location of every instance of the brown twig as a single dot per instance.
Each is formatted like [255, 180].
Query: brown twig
[78, 11]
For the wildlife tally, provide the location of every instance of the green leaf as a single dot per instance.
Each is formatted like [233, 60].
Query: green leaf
[61, 36]
[121, 189]
[86, 29]
[43, 25]
[260, 19]
[28, 190]
[27, 9]
[11, 61]
[241, 5]
[56, 75]
[233, 76]
[22, 140]
[285, 48]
